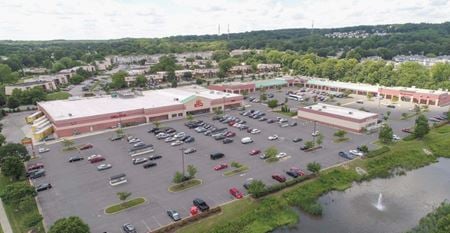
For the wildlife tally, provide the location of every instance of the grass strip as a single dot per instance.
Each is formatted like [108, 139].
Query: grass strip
[125, 205]
[184, 185]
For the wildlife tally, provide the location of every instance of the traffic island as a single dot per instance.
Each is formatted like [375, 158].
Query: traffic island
[116, 208]
[236, 171]
[313, 148]
[184, 185]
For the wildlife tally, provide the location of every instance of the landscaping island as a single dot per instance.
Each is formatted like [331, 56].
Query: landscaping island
[184, 185]
[125, 205]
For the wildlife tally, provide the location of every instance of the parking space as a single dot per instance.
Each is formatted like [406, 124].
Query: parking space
[79, 189]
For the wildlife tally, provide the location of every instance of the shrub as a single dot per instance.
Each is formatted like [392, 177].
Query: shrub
[378, 151]
[31, 220]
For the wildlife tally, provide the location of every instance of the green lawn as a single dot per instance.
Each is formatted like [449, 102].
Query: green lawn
[268, 213]
[125, 205]
[60, 95]
[185, 185]
[18, 218]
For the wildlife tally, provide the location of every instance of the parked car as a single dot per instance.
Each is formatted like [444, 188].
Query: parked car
[390, 106]
[293, 124]
[104, 166]
[297, 139]
[219, 137]
[154, 157]
[315, 134]
[170, 139]
[356, 152]
[270, 121]
[246, 140]
[407, 130]
[278, 177]
[75, 158]
[255, 131]
[247, 183]
[174, 215]
[35, 166]
[180, 135]
[200, 204]
[86, 146]
[292, 174]
[97, 159]
[137, 161]
[43, 150]
[236, 193]
[116, 138]
[346, 155]
[395, 137]
[190, 150]
[254, 152]
[217, 155]
[43, 187]
[227, 141]
[176, 143]
[148, 165]
[304, 147]
[359, 102]
[263, 156]
[297, 170]
[128, 228]
[281, 155]
[89, 158]
[220, 166]
[273, 137]
[36, 173]
[188, 139]
[284, 125]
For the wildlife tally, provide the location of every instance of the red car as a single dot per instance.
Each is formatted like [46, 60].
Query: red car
[86, 146]
[230, 134]
[279, 178]
[220, 166]
[406, 130]
[297, 170]
[97, 159]
[236, 193]
[254, 152]
[35, 166]
[231, 123]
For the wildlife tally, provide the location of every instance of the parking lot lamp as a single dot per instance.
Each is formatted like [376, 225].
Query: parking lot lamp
[314, 132]
[182, 160]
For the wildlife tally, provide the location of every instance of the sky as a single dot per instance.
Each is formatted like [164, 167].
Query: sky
[113, 19]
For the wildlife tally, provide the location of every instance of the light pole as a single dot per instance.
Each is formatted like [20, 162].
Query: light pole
[314, 132]
[182, 161]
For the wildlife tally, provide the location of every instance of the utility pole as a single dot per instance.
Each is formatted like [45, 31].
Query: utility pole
[182, 160]
[314, 133]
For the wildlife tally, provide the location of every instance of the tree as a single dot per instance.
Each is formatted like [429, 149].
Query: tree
[189, 117]
[421, 128]
[263, 97]
[271, 152]
[385, 135]
[76, 79]
[68, 143]
[13, 102]
[191, 171]
[340, 133]
[309, 144]
[69, 225]
[118, 80]
[123, 196]
[272, 103]
[13, 149]
[174, 83]
[256, 186]
[13, 167]
[178, 178]
[17, 192]
[119, 132]
[416, 109]
[314, 167]
[141, 81]
[7, 75]
[369, 96]
[319, 139]
[2, 139]
[364, 149]
[157, 124]
[219, 55]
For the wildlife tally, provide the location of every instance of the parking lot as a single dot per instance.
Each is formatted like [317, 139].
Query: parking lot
[79, 189]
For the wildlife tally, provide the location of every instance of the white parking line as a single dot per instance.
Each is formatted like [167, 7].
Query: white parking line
[156, 220]
[145, 224]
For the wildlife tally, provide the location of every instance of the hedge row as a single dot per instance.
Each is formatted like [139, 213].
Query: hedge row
[277, 187]
[378, 151]
[176, 225]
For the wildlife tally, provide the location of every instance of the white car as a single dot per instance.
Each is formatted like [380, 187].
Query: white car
[134, 140]
[91, 157]
[395, 137]
[246, 140]
[170, 139]
[255, 131]
[43, 150]
[315, 134]
[138, 144]
[284, 125]
[273, 137]
[180, 135]
[356, 152]
[281, 155]
[104, 166]
[176, 143]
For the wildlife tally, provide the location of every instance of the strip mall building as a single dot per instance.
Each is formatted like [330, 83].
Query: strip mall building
[83, 115]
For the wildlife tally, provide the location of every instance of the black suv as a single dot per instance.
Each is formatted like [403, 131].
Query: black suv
[43, 187]
[36, 173]
[200, 204]
[215, 156]
[149, 165]
[154, 157]
[75, 159]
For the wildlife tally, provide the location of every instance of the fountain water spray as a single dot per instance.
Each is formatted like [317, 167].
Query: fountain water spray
[379, 205]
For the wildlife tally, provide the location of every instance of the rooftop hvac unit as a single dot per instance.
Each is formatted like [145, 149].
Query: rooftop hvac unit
[350, 113]
[324, 106]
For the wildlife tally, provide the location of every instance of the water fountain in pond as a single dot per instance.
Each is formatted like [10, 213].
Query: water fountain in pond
[379, 205]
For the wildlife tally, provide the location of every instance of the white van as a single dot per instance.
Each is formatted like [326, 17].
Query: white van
[246, 140]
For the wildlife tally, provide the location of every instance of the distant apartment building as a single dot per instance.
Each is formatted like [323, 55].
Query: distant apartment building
[240, 52]
[423, 60]
[205, 73]
[241, 69]
[72, 71]
[47, 82]
[35, 70]
[103, 65]
[268, 67]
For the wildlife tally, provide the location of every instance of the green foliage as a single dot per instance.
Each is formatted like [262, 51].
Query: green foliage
[421, 128]
[385, 135]
[33, 219]
[68, 144]
[256, 187]
[166, 63]
[123, 195]
[118, 80]
[314, 167]
[13, 102]
[141, 81]
[438, 221]
[69, 225]
[340, 133]
[13, 149]
[272, 103]
[61, 95]
[271, 152]
[30, 96]
[76, 79]
[192, 171]
[15, 193]
[364, 148]
[309, 144]
[235, 164]
[7, 75]
[12, 166]
[319, 139]
[2, 138]
[220, 55]
[178, 177]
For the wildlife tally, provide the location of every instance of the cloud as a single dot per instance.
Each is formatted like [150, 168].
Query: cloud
[107, 19]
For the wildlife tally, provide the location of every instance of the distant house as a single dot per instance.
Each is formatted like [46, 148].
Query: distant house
[205, 73]
[268, 67]
[46, 85]
[241, 69]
